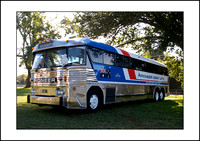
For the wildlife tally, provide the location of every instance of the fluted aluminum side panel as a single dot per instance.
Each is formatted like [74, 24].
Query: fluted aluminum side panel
[80, 76]
[91, 77]
[76, 77]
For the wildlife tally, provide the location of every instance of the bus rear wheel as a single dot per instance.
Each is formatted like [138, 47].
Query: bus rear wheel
[156, 95]
[93, 101]
[162, 95]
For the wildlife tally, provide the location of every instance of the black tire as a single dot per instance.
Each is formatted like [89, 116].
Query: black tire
[156, 96]
[41, 105]
[93, 100]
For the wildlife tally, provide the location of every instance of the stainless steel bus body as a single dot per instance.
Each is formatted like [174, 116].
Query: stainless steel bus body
[69, 86]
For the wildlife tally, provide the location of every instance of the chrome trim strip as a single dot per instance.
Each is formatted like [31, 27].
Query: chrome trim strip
[118, 95]
[111, 82]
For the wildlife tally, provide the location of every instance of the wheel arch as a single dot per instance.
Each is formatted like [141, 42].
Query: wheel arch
[99, 89]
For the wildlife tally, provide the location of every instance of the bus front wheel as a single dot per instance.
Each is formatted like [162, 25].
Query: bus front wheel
[93, 100]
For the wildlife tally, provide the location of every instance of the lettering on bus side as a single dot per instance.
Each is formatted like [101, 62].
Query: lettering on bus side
[145, 76]
[150, 77]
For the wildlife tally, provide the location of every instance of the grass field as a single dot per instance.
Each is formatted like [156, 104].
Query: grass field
[167, 114]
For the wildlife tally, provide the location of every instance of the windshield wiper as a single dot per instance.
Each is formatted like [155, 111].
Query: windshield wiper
[46, 64]
[69, 64]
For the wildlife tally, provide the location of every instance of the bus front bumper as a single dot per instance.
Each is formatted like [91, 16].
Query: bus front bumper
[59, 101]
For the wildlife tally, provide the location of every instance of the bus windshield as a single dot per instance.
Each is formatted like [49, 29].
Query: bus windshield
[59, 57]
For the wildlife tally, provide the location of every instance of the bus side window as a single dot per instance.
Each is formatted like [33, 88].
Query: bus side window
[149, 67]
[126, 62]
[119, 60]
[96, 55]
[154, 69]
[134, 64]
[166, 71]
[139, 65]
[143, 66]
[109, 58]
[122, 61]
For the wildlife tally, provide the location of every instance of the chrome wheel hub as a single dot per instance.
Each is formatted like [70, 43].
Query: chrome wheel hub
[157, 96]
[94, 101]
[161, 95]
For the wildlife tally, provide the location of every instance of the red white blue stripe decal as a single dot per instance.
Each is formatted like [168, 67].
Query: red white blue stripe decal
[136, 75]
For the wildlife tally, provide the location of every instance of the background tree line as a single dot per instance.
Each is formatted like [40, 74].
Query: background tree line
[147, 32]
[33, 28]
[21, 79]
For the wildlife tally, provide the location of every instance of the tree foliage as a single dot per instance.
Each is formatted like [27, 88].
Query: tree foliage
[175, 67]
[21, 79]
[145, 32]
[33, 27]
[142, 30]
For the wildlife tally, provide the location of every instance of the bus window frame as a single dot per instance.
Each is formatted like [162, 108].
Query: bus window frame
[129, 66]
[84, 64]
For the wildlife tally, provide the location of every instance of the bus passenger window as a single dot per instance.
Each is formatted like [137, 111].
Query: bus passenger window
[122, 61]
[96, 55]
[126, 62]
[143, 66]
[133, 64]
[109, 58]
[119, 60]
[76, 55]
[166, 71]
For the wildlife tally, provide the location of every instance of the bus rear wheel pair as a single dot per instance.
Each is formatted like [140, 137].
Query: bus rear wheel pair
[159, 95]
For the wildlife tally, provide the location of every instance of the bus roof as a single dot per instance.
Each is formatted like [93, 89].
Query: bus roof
[88, 42]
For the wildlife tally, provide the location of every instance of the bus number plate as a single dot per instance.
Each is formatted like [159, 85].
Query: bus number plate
[44, 91]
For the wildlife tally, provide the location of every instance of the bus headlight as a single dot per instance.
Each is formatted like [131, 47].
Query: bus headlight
[60, 92]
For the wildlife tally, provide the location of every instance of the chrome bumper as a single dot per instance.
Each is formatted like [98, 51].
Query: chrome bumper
[60, 101]
[70, 103]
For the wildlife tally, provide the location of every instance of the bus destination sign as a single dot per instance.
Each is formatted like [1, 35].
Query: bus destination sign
[45, 45]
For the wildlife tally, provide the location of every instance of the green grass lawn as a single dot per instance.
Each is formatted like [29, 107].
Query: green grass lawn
[167, 114]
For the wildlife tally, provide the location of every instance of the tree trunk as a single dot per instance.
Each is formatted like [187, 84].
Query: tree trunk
[28, 83]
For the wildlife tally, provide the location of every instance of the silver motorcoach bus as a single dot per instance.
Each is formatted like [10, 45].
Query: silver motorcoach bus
[81, 73]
